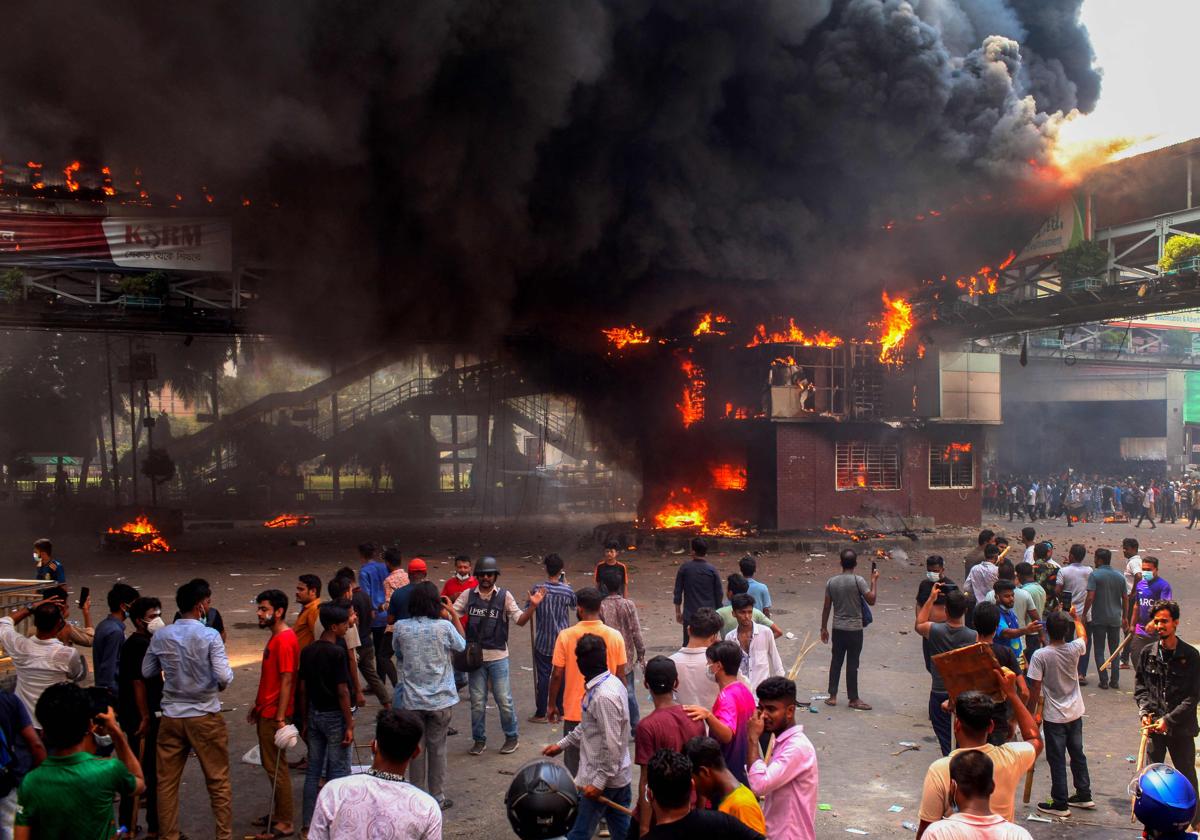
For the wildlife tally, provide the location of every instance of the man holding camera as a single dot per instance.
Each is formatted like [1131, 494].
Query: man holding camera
[70, 794]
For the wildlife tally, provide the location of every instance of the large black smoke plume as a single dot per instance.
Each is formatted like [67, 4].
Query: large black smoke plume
[474, 170]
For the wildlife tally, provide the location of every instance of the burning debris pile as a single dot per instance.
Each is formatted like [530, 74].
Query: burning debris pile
[290, 520]
[137, 537]
[684, 510]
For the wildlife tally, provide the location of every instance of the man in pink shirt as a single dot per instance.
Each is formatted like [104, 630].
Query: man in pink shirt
[789, 782]
[971, 777]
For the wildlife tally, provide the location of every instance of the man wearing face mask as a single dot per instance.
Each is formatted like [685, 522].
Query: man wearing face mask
[935, 572]
[110, 636]
[1149, 591]
[139, 702]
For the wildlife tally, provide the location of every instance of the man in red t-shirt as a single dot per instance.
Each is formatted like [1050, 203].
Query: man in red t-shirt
[666, 728]
[462, 580]
[273, 704]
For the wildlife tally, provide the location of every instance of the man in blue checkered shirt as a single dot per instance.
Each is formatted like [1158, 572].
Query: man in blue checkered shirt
[551, 604]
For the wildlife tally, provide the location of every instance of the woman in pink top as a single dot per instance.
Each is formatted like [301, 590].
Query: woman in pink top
[733, 708]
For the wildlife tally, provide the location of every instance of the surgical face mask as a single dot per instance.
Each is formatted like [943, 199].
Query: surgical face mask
[103, 742]
[1147, 576]
[204, 618]
[154, 626]
[934, 576]
[462, 575]
[711, 676]
[36, 559]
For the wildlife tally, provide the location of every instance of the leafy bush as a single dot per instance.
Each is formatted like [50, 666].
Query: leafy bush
[1087, 259]
[152, 284]
[1177, 250]
[12, 284]
[158, 466]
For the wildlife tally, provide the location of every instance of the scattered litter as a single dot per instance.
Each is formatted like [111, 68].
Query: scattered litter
[789, 635]
[905, 746]
[824, 806]
[507, 772]
[896, 809]
[526, 668]
[1131, 758]
[1036, 818]
[855, 831]
[680, 551]
[909, 824]
[1178, 551]
[235, 574]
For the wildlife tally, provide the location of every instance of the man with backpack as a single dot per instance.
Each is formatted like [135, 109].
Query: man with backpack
[488, 611]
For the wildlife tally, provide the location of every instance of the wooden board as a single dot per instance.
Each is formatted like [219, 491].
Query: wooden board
[970, 668]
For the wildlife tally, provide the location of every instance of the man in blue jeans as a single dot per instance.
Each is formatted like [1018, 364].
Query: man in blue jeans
[551, 604]
[1054, 672]
[602, 738]
[323, 704]
[488, 611]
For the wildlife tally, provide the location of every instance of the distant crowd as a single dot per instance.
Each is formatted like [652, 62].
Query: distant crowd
[1093, 498]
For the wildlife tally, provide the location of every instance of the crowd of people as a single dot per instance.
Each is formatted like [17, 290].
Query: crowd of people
[718, 749]
[1076, 498]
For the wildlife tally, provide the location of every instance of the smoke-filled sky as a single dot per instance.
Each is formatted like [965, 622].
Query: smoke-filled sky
[472, 169]
[1148, 52]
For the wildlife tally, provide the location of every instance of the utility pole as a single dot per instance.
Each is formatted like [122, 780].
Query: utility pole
[148, 421]
[114, 474]
[132, 425]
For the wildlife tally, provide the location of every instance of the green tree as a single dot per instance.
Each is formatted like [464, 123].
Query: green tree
[1178, 250]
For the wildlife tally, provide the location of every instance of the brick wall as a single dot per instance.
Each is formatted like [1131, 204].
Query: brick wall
[806, 493]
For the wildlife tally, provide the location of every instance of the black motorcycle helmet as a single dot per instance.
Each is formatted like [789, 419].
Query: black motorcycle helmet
[487, 564]
[542, 801]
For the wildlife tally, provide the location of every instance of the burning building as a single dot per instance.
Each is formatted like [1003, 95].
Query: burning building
[794, 430]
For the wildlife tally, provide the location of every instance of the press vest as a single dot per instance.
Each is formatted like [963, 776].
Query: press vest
[488, 624]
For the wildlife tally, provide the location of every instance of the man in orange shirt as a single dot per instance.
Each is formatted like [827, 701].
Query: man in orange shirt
[308, 596]
[566, 674]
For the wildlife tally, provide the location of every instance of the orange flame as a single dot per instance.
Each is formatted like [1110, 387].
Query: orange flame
[738, 413]
[35, 177]
[794, 335]
[148, 538]
[107, 186]
[956, 451]
[683, 511]
[622, 337]
[69, 173]
[691, 407]
[710, 324]
[289, 520]
[896, 324]
[728, 476]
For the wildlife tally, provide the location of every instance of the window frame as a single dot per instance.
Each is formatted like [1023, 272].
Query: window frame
[881, 452]
[935, 447]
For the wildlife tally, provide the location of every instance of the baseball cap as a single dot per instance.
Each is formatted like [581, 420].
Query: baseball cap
[417, 565]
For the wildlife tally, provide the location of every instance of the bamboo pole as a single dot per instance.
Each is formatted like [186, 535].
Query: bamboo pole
[1116, 652]
[1037, 714]
[1140, 765]
[806, 646]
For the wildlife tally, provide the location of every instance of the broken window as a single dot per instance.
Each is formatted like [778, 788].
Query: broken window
[951, 465]
[869, 466]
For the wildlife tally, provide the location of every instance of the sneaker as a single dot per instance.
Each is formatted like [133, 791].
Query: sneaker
[1081, 800]
[1083, 681]
[537, 719]
[603, 829]
[1058, 809]
[477, 748]
[446, 804]
[1114, 685]
[860, 705]
[1103, 685]
[510, 746]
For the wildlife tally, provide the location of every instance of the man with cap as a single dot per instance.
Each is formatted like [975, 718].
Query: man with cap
[488, 612]
[668, 727]
[397, 610]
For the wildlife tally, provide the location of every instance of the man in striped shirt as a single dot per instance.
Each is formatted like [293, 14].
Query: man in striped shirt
[602, 738]
[550, 604]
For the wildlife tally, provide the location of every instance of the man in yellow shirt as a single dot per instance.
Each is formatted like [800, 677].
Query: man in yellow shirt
[715, 783]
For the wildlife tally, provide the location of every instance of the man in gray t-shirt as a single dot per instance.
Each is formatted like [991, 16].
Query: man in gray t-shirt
[1108, 604]
[943, 636]
[844, 595]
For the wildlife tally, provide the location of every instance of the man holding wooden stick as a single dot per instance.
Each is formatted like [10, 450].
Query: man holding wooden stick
[1167, 688]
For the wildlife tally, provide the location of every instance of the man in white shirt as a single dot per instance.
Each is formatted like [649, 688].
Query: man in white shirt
[380, 803]
[696, 688]
[1073, 579]
[1133, 573]
[1054, 671]
[41, 660]
[1028, 539]
[971, 781]
[984, 576]
[760, 656]
[973, 722]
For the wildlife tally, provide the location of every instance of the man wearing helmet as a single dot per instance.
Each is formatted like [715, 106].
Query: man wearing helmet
[1167, 687]
[489, 611]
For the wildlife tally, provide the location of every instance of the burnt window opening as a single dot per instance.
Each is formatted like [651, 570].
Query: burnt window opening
[951, 466]
[867, 466]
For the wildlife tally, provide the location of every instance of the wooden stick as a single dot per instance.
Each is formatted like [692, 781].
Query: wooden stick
[1116, 652]
[1140, 765]
[791, 675]
[1037, 713]
[603, 800]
